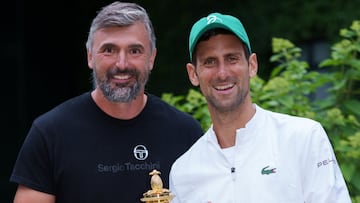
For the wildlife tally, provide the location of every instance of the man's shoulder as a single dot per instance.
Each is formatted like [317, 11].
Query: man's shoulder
[288, 118]
[291, 126]
[67, 107]
[194, 153]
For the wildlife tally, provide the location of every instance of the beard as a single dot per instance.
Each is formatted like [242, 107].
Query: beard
[121, 92]
[227, 106]
[232, 102]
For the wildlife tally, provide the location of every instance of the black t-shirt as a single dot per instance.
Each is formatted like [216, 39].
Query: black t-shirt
[80, 154]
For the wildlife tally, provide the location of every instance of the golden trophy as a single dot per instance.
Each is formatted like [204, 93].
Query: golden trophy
[157, 193]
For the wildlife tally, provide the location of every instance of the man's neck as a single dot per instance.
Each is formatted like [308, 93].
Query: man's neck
[226, 124]
[119, 110]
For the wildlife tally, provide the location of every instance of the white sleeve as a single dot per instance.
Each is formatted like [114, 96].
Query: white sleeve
[173, 190]
[323, 181]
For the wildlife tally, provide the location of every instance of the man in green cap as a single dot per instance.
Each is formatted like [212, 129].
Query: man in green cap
[249, 154]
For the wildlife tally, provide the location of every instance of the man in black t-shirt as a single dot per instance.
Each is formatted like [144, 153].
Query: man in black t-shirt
[100, 146]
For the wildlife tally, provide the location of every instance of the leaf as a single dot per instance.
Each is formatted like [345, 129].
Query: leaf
[356, 181]
[347, 170]
[353, 106]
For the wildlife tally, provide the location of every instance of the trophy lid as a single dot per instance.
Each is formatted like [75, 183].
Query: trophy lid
[157, 192]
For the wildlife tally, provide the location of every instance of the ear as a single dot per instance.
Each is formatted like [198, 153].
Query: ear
[253, 65]
[152, 58]
[191, 69]
[90, 59]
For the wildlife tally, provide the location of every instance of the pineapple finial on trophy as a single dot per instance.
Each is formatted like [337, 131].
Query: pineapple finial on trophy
[156, 182]
[157, 193]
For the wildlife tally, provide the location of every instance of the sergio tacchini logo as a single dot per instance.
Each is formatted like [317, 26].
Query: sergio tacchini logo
[140, 152]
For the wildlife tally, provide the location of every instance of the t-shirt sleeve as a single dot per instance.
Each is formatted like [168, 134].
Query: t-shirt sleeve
[33, 165]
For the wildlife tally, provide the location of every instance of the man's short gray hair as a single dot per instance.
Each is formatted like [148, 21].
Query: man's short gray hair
[119, 14]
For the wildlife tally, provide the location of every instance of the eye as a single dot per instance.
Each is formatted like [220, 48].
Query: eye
[108, 50]
[209, 62]
[232, 59]
[136, 49]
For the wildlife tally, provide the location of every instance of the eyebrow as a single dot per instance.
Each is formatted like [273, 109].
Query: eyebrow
[234, 54]
[140, 46]
[107, 45]
[131, 46]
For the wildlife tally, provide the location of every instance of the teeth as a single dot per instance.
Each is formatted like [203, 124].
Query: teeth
[223, 87]
[122, 77]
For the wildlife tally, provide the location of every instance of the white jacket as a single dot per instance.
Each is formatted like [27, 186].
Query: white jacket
[277, 159]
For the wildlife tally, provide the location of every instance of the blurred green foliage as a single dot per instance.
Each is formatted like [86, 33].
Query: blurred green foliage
[292, 87]
[301, 21]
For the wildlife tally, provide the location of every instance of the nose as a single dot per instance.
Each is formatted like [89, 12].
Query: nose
[223, 71]
[121, 60]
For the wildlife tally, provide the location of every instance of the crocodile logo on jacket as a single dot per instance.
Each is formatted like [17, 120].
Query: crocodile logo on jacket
[266, 171]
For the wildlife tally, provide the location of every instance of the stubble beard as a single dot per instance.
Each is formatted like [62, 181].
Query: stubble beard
[229, 104]
[125, 92]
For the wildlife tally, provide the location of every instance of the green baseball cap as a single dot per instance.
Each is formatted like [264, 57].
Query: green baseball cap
[217, 20]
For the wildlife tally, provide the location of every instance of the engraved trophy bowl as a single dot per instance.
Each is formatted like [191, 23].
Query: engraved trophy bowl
[157, 194]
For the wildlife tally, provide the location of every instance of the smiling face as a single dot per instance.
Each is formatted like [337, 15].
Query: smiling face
[121, 60]
[223, 72]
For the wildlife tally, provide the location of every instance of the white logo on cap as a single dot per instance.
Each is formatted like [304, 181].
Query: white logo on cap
[212, 19]
[140, 152]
